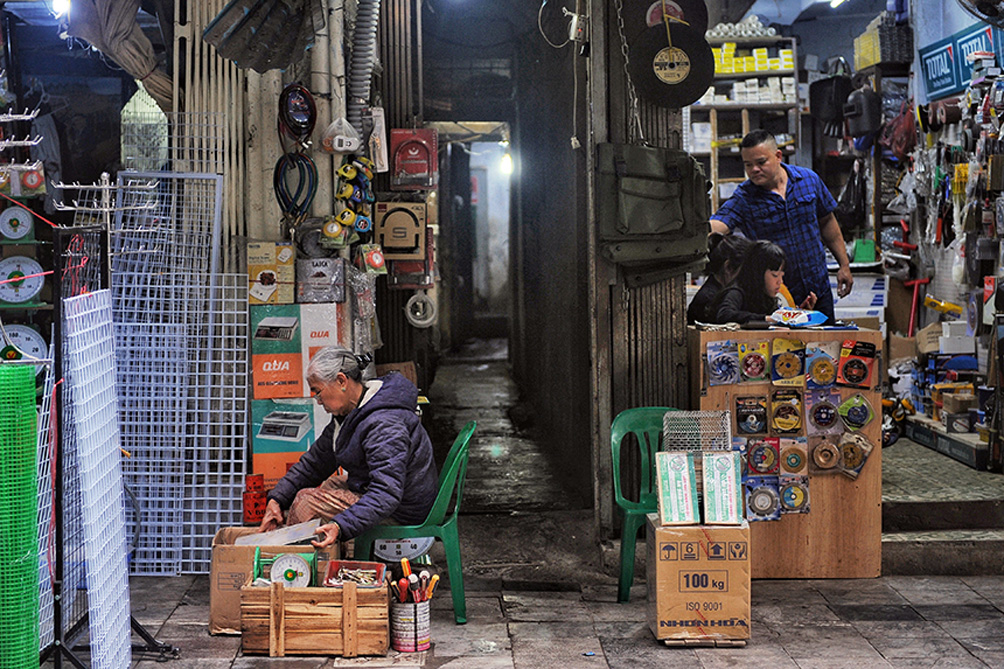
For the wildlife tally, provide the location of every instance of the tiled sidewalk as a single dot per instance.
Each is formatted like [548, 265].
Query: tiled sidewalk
[888, 622]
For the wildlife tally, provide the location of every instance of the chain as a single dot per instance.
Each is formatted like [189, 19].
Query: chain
[634, 128]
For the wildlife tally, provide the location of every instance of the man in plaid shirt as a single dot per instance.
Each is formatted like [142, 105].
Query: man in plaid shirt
[791, 207]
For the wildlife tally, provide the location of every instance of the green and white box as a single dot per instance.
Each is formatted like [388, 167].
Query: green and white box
[723, 501]
[677, 488]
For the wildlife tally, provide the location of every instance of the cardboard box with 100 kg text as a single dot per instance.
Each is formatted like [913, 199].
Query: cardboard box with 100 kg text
[698, 581]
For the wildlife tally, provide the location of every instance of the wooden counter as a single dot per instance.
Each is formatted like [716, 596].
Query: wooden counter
[841, 536]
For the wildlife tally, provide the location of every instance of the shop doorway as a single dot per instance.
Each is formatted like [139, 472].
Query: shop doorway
[491, 168]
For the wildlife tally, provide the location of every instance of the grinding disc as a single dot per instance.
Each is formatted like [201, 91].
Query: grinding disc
[671, 76]
[763, 501]
[826, 455]
[642, 14]
[794, 496]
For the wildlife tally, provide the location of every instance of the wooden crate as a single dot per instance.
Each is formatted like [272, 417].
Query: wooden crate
[346, 621]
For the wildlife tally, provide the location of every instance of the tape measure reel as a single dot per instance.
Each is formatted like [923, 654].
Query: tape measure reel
[32, 180]
[671, 75]
[16, 223]
[291, 570]
[20, 289]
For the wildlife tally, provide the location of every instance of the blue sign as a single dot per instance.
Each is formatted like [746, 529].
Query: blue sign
[943, 64]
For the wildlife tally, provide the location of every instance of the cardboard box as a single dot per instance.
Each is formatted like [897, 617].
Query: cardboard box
[956, 344]
[271, 272]
[958, 402]
[927, 339]
[955, 422]
[283, 337]
[901, 348]
[232, 567]
[698, 581]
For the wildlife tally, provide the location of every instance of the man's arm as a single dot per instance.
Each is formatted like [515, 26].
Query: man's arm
[834, 240]
[719, 227]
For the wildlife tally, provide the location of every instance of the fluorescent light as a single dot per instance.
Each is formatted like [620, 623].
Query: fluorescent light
[60, 7]
[506, 165]
[836, 3]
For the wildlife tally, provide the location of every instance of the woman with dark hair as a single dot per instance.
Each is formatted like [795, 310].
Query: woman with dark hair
[725, 256]
[753, 296]
[376, 435]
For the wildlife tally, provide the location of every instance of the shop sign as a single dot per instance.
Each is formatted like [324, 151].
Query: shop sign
[943, 64]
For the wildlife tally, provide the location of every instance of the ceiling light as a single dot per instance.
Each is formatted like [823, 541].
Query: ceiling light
[836, 3]
[506, 165]
[60, 7]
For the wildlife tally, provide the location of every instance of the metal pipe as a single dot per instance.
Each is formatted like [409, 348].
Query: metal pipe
[320, 85]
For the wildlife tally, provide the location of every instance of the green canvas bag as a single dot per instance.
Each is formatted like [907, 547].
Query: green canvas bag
[652, 205]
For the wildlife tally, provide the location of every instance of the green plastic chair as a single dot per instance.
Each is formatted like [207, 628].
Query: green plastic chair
[440, 523]
[646, 425]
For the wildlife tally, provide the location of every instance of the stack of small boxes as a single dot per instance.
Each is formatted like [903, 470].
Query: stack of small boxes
[699, 575]
[945, 379]
[728, 61]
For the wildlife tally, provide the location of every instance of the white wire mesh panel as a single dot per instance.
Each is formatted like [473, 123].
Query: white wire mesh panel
[217, 440]
[178, 142]
[89, 370]
[46, 631]
[696, 431]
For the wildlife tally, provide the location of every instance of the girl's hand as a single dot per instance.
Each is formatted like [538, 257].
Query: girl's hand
[809, 302]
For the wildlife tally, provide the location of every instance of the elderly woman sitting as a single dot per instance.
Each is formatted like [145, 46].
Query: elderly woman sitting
[376, 436]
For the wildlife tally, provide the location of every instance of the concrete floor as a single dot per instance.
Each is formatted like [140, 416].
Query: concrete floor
[538, 595]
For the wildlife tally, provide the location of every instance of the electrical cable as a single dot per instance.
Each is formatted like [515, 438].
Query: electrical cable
[297, 113]
[295, 205]
[540, 27]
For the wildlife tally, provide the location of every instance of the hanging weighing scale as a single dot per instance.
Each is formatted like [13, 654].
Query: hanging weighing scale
[21, 279]
[23, 342]
[16, 223]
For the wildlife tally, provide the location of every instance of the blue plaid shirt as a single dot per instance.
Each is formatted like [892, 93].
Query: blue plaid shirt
[791, 222]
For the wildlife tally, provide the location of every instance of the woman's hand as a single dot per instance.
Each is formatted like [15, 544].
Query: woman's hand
[809, 302]
[273, 517]
[330, 535]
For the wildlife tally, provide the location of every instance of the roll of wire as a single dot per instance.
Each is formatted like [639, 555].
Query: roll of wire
[296, 116]
[420, 310]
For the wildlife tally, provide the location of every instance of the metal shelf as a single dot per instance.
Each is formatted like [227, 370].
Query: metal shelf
[750, 75]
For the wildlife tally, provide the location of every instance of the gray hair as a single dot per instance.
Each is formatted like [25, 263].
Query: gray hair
[332, 360]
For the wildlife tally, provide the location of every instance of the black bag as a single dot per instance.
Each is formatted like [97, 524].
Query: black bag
[852, 209]
[652, 206]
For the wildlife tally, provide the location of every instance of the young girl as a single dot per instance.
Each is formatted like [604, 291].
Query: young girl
[753, 296]
[725, 255]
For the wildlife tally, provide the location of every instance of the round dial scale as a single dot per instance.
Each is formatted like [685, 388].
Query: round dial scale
[23, 342]
[15, 288]
[16, 223]
[395, 549]
[292, 570]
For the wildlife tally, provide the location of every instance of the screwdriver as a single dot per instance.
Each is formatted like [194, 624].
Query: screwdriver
[402, 590]
[433, 582]
[405, 567]
[416, 595]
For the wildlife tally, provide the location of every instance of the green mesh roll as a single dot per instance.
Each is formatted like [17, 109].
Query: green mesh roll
[18, 518]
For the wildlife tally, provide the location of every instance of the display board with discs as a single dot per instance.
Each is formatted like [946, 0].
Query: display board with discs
[811, 438]
[21, 279]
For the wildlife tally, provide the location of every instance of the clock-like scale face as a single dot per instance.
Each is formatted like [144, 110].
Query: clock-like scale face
[15, 223]
[395, 549]
[15, 287]
[23, 342]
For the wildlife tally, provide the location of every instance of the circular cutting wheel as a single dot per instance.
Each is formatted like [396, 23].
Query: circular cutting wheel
[16, 223]
[24, 343]
[15, 288]
[763, 501]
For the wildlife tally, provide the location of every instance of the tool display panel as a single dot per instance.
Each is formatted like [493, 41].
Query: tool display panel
[842, 535]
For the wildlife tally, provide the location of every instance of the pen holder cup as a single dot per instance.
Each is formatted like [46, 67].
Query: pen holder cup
[409, 626]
